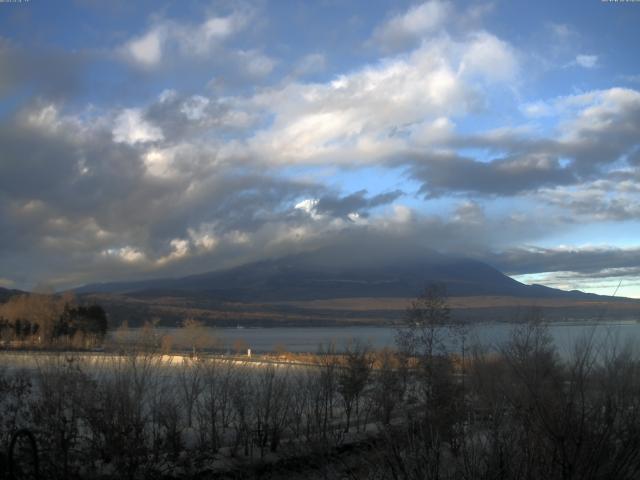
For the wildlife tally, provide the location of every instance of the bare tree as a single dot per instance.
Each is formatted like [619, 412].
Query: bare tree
[300, 403]
[61, 382]
[16, 389]
[388, 385]
[423, 339]
[271, 406]
[326, 391]
[214, 410]
[196, 336]
[353, 378]
[423, 333]
[191, 385]
[242, 405]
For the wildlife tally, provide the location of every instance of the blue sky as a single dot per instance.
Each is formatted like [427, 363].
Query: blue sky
[146, 139]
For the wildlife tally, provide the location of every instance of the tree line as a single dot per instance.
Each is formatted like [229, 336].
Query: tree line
[48, 320]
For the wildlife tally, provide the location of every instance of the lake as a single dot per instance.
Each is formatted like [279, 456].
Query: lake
[301, 339]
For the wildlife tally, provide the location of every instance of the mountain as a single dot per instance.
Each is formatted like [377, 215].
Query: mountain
[360, 286]
[319, 276]
[6, 294]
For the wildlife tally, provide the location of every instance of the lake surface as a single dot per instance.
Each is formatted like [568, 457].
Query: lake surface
[300, 339]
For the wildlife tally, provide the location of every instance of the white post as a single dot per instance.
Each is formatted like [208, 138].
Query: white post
[249, 352]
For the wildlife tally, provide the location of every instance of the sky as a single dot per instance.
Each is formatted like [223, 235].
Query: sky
[163, 138]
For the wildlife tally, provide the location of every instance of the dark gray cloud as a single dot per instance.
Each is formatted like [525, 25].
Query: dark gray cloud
[601, 128]
[357, 203]
[182, 117]
[592, 262]
[604, 132]
[72, 194]
[45, 72]
[246, 202]
[443, 174]
[604, 202]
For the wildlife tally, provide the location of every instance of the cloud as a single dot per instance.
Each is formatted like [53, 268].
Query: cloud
[355, 205]
[6, 283]
[131, 128]
[606, 128]
[76, 193]
[593, 129]
[255, 63]
[199, 178]
[443, 174]
[490, 58]
[404, 28]
[194, 107]
[185, 118]
[469, 212]
[310, 64]
[366, 114]
[598, 201]
[149, 49]
[589, 261]
[89, 207]
[126, 254]
[52, 73]
[587, 61]
[561, 31]
[536, 109]
[593, 132]
[631, 78]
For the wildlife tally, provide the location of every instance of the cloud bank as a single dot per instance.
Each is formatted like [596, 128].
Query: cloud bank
[263, 157]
